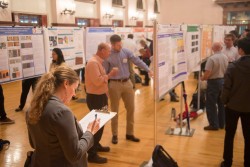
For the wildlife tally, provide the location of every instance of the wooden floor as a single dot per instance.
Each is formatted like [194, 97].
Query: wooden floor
[203, 149]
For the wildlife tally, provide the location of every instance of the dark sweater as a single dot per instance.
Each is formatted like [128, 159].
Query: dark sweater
[236, 88]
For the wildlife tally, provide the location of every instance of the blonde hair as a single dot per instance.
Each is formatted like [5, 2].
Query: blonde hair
[46, 87]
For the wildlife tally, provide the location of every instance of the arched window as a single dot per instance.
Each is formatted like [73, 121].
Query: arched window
[156, 10]
[139, 4]
[117, 2]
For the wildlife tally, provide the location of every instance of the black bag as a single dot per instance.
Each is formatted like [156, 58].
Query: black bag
[28, 159]
[137, 78]
[162, 159]
[194, 101]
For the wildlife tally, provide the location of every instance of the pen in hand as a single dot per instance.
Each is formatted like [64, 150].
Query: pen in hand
[93, 125]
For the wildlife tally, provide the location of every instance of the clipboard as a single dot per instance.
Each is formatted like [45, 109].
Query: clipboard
[90, 117]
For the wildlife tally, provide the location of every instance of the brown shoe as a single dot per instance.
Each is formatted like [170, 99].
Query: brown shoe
[97, 159]
[6, 121]
[114, 139]
[101, 148]
[132, 138]
[209, 127]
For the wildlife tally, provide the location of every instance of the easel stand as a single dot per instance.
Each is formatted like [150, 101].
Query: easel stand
[182, 131]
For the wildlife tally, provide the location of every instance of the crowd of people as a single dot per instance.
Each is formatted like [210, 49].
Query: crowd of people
[58, 139]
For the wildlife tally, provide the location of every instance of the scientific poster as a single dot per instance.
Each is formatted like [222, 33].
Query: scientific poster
[70, 40]
[192, 46]
[94, 36]
[171, 60]
[206, 41]
[21, 53]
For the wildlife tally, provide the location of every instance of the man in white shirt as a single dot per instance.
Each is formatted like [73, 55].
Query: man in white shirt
[229, 50]
[130, 44]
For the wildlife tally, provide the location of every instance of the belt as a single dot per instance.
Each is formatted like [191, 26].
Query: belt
[120, 80]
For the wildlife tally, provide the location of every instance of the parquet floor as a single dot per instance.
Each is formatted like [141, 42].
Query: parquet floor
[203, 149]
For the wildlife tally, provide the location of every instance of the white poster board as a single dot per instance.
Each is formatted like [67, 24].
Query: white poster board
[192, 46]
[171, 60]
[94, 36]
[70, 41]
[21, 52]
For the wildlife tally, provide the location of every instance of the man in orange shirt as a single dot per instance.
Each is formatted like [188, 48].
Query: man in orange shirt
[96, 82]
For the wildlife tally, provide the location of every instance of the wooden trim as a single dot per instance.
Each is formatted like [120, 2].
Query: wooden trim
[63, 25]
[103, 25]
[129, 26]
[147, 26]
[118, 6]
[7, 23]
[87, 1]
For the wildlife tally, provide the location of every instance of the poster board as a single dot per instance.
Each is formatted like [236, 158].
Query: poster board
[70, 41]
[192, 46]
[94, 36]
[170, 57]
[21, 52]
[206, 41]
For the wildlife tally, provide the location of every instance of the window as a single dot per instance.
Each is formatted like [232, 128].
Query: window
[117, 2]
[139, 4]
[156, 10]
[82, 22]
[29, 19]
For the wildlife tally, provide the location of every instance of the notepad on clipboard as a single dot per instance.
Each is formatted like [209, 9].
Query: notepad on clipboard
[90, 117]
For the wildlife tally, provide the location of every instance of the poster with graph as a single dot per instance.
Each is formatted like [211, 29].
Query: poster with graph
[21, 53]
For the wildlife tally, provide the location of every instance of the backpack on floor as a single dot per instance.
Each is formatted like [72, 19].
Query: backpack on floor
[194, 101]
[161, 158]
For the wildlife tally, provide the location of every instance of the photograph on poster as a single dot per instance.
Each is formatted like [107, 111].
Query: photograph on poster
[28, 65]
[24, 38]
[26, 45]
[2, 45]
[15, 72]
[14, 53]
[78, 60]
[10, 44]
[15, 61]
[60, 40]
[16, 44]
[53, 41]
[27, 57]
[4, 74]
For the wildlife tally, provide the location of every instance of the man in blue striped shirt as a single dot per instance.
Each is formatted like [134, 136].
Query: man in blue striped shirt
[120, 85]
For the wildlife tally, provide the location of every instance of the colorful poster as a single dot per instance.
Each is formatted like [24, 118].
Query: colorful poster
[171, 60]
[206, 41]
[70, 41]
[94, 36]
[21, 52]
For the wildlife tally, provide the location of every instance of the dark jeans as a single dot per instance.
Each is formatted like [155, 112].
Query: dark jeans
[146, 61]
[96, 102]
[2, 110]
[214, 107]
[232, 118]
[26, 84]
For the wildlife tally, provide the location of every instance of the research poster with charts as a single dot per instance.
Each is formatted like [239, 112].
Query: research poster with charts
[218, 33]
[94, 36]
[206, 41]
[171, 60]
[21, 53]
[123, 32]
[70, 41]
[192, 46]
[139, 34]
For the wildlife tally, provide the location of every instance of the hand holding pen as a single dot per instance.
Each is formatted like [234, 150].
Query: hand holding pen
[94, 126]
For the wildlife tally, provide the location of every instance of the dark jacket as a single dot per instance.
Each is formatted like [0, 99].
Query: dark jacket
[236, 88]
[58, 138]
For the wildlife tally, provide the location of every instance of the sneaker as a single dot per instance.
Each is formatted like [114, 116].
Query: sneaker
[74, 97]
[6, 121]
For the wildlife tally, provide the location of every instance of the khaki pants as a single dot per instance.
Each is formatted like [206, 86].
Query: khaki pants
[124, 90]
